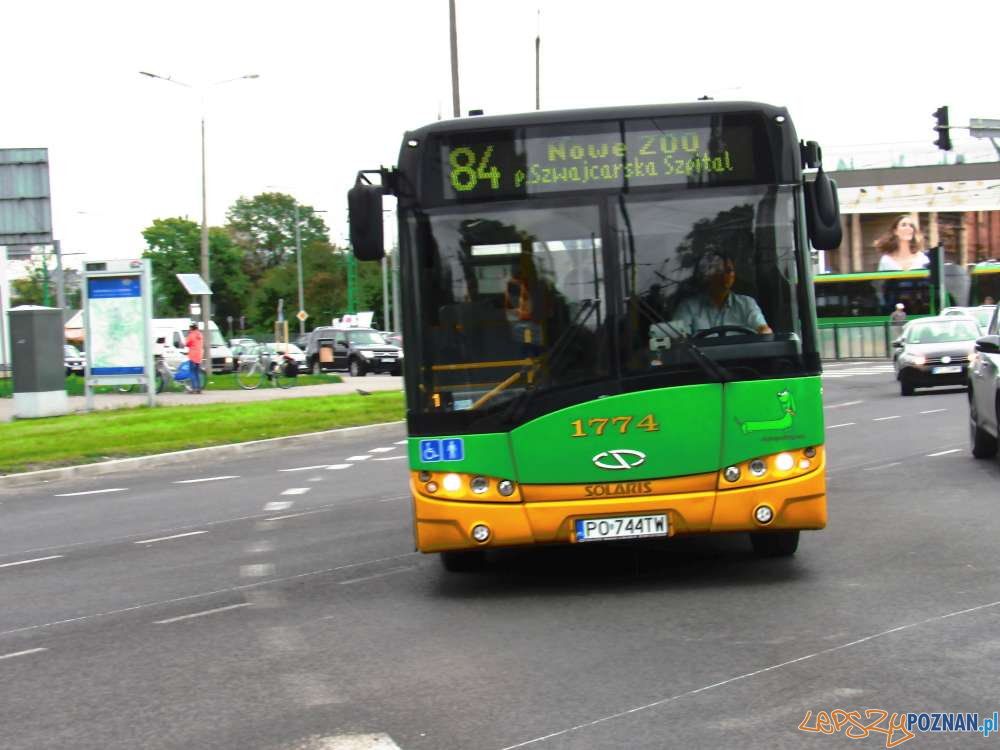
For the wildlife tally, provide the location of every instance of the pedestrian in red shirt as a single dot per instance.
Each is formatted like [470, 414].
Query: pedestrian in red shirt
[195, 344]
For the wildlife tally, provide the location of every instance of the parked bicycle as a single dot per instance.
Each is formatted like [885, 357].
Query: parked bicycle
[166, 380]
[252, 374]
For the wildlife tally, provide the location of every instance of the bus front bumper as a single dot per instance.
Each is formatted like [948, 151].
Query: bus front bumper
[798, 503]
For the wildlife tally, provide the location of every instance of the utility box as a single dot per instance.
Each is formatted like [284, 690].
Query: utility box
[38, 360]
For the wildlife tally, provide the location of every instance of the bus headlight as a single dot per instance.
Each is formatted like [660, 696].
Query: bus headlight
[472, 488]
[774, 468]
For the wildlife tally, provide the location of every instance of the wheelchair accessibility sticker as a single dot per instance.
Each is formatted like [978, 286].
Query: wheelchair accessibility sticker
[449, 449]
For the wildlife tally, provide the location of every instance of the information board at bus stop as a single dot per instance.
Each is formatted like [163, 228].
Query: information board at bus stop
[118, 325]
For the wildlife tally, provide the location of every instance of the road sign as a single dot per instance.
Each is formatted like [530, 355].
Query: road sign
[980, 127]
[302, 315]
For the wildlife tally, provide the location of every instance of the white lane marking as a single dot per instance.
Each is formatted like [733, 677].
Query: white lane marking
[845, 424]
[885, 419]
[231, 589]
[355, 742]
[257, 570]
[23, 653]
[933, 411]
[402, 442]
[201, 614]
[748, 675]
[275, 506]
[167, 538]
[391, 458]
[296, 491]
[307, 468]
[383, 450]
[290, 515]
[358, 458]
[337, 467]
[28, 562]
[315, 479]
[206, 479]
[378, 575]
[884, 466]
[92, 492]
[846, 403]
[944, 453]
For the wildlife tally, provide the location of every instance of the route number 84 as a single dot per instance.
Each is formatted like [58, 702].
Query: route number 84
[467, 170]
[597, 425]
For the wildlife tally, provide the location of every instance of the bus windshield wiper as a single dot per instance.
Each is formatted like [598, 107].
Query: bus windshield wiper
[715, 371]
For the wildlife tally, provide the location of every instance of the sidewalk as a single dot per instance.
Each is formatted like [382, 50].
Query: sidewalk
[129, 400]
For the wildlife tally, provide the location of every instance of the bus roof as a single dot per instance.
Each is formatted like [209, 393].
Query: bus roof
[594, 114]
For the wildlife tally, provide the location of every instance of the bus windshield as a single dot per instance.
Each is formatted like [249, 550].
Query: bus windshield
[516, 298]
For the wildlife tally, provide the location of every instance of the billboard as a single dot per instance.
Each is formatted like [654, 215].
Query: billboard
[25, 204]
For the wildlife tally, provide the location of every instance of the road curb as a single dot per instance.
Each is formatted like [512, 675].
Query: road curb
[155, 460]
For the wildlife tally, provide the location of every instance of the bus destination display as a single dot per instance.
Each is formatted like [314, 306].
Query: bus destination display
[478, 166]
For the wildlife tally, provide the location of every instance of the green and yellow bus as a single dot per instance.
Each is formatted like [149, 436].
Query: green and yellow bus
[863, 298]
[553, 394]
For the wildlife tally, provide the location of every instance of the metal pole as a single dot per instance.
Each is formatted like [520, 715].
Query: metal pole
[457, 110]
[298, 266]
[4, 294]
[397, 324]
[385, 296]
[206, 300]
[60, 280]
[350, 282]
[538, 45]
[45, 279]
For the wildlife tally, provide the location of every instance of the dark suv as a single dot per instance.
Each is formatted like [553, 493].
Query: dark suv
[357, 350]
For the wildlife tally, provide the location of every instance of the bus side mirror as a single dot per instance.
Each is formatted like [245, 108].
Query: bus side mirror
[823, 212]
[364, 210]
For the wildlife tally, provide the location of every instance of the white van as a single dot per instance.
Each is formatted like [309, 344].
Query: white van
[169, 335]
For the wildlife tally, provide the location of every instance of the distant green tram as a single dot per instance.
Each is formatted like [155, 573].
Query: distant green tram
[863, 298]
[553, 396]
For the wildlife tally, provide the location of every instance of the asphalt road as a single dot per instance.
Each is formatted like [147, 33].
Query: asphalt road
[274, 601]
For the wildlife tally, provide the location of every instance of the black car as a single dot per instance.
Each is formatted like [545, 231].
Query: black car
[357, 350]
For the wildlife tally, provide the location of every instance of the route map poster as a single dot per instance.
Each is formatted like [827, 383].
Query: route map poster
[116, 325]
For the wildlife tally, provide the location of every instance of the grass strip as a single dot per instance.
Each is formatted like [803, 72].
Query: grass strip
[34, 444]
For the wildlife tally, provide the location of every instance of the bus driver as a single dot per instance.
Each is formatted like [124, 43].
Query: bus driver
[717, 305]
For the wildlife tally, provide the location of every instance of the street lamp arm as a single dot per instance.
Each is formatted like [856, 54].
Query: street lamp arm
[237, 78]
[168, 79]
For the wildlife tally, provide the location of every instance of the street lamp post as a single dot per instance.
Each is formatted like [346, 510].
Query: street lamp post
[298, 270]
[206, 300]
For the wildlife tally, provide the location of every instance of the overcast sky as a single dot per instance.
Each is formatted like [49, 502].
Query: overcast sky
[341, 81]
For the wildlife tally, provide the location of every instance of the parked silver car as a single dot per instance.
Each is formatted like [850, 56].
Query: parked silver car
[982, 314]
[984, 392]
[934, 352]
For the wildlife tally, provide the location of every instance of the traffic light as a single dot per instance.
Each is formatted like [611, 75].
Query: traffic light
[943, 141]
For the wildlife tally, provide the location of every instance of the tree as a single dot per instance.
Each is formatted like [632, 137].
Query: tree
[324, 275]
[174, 246]
[30, 289]
[264, 227]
